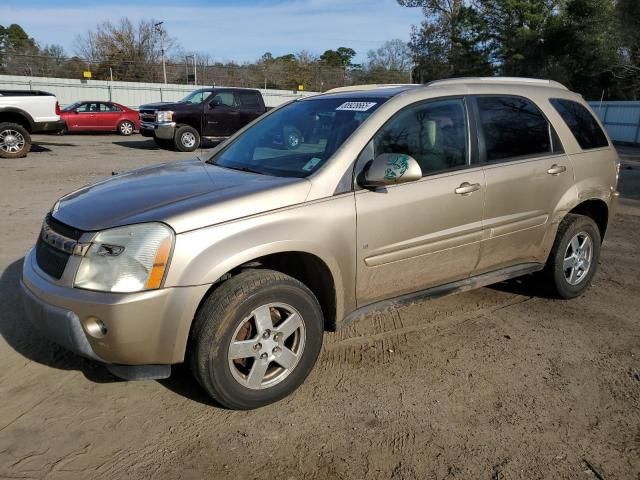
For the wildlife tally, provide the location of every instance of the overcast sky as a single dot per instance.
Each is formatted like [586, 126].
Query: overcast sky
[240, 30]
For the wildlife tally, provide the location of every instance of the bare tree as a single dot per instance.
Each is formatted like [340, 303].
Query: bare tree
[392, 55]
[128, 49]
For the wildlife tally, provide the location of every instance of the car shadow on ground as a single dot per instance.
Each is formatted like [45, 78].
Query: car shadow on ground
[26, 340]
[38, 148]
[529, 286]
[150, 144]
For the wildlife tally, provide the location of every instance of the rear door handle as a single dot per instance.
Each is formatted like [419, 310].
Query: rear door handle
[467, 188]
[557, 169]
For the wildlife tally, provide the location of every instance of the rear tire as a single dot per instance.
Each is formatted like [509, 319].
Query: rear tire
[255, 339]
[187, 139]
[126, 128]
[15, 141]
[573, 260]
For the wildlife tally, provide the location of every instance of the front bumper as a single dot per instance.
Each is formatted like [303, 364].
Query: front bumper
[164, 131]
[144, 328]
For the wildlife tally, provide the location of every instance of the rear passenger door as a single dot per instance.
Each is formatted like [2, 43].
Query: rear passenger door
[108, 116]
[527, 175]
[249, 106]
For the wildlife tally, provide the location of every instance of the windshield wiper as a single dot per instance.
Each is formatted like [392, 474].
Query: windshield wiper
[242, 169]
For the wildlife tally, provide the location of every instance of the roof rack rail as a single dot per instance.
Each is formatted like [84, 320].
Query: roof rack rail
[353, 88]
[513, 80]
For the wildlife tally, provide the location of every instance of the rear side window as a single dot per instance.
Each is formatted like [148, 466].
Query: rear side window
[581, 123]
[514, 127]
[249, 99]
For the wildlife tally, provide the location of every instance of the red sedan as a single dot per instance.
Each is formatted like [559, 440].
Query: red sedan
[100, 117]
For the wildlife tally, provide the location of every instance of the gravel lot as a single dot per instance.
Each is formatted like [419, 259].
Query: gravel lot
[498, 383]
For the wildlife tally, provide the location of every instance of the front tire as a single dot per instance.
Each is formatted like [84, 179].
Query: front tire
[15, 141]
[126, 128]
[255, 339]
[187, 139]
[574, 257]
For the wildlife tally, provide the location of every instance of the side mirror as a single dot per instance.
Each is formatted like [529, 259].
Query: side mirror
[215, 103]
[390, 169]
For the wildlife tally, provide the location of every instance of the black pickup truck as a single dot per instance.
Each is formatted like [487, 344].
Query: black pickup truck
[213, 113]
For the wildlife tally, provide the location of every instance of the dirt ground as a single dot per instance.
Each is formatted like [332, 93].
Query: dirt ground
[498, 383]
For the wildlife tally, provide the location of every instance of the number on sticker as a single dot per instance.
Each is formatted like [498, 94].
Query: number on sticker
[356, 106]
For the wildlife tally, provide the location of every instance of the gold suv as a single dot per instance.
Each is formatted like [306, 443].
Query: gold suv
[237, 264]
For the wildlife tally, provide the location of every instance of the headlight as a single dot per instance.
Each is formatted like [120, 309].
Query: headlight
[164, 117]
[126, 259]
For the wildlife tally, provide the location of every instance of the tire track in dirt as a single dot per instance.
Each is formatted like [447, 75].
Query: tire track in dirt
[389, 336]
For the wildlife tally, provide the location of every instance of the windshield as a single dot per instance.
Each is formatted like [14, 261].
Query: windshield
[196, 97]
[68, 108]
[297, 139]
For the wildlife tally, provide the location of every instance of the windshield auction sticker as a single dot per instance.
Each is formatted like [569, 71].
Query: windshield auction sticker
[356, 106]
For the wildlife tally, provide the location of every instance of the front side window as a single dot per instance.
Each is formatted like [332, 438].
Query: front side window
[584, 127]
[224, 98]
[297, 139]
[433, 133]
[513, 127]
[197, 97]
[87, 107]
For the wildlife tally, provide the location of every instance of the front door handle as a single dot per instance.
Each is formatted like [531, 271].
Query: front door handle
[557, 169]
[466, 188]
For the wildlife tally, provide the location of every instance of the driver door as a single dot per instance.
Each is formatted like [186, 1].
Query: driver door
[421, 234]
[84, 117]
[221, 115]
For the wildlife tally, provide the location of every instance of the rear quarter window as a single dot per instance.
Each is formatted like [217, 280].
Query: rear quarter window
[582, 124]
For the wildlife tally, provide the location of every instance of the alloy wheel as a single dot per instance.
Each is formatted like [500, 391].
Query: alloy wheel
[267, 346]
[11, 141]
[578, 258]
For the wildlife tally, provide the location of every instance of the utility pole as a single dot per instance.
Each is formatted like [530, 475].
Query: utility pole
[160, 30]
[195, 72]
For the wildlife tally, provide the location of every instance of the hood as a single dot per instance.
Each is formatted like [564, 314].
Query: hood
[164, 106]
[186, 195]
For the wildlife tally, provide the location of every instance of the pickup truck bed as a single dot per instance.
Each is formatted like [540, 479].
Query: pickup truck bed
[23, 113]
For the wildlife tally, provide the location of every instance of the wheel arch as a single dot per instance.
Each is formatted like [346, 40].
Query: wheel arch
[305, 267]
[16, 115]
[596, 209]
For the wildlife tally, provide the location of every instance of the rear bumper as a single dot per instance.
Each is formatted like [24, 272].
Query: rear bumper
[48, 127]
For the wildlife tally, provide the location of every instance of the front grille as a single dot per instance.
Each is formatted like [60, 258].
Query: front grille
[147, 115]
[50, 259]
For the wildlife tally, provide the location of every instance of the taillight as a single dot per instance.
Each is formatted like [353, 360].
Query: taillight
[57, 108]
[618, 165]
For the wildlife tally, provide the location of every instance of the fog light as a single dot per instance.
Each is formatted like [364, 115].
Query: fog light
[95, 327]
